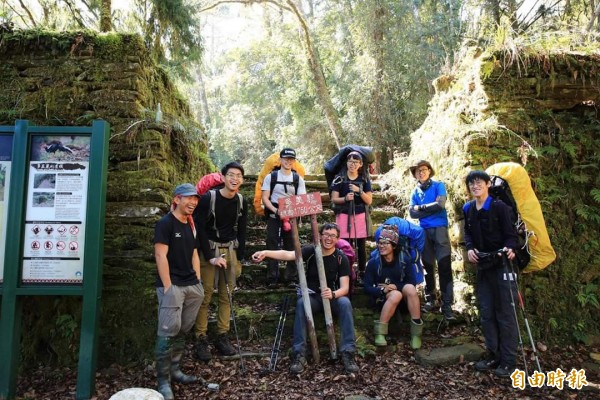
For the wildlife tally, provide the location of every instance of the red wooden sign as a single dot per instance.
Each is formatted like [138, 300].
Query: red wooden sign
[298, 206]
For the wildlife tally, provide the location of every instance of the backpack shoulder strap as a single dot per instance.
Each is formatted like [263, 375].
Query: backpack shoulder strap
[273, 181]
[296, 181]
[211, 209]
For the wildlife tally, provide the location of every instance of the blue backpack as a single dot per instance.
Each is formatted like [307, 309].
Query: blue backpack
[411, 244]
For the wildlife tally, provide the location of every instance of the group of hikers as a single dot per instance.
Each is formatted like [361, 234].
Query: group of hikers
[200, 242]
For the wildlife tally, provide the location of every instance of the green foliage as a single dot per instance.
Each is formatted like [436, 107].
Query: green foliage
[595, 195]
[588, 295]
[378, 62]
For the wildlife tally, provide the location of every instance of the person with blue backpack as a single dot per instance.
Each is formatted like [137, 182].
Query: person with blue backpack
[392, 276]
[428, 205]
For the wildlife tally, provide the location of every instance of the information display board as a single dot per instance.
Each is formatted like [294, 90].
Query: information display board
[5, 163]
[54, 240]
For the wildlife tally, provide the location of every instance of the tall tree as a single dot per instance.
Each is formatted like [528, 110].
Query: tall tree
[314, 62]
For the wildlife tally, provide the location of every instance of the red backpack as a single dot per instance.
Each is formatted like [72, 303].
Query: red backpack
[209, 181]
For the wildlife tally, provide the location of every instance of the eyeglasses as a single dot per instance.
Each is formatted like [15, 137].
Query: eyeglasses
[235, 176]
[420, 170]
[476, 182]
[383, 242]
[353, 162]
[329, 235]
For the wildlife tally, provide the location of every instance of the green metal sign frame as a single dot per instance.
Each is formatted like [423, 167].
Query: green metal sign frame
[13, 289]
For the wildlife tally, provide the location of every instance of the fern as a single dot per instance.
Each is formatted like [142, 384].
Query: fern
[570, 149]
[549, 150]
[595, 195]
[580, 178]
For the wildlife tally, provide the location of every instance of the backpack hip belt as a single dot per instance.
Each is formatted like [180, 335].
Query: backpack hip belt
[232, 244]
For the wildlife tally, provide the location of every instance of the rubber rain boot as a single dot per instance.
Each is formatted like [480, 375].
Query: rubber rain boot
[177, 348]
[415, 334]
[162, 353]
[381, 330]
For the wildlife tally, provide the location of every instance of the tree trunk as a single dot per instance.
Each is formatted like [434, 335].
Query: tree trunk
[314, 64]
[379, 110]
[105, 16]
[205, 117]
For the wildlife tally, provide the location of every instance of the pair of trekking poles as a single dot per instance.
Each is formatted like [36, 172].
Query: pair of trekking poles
[230, 296]
[511, 275]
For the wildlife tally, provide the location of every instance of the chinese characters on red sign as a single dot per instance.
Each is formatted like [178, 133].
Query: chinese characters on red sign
[297, 206]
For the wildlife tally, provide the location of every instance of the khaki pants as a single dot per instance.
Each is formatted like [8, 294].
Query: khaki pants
[209, 277]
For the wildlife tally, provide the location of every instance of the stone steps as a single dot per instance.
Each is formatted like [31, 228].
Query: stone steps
[257, 308]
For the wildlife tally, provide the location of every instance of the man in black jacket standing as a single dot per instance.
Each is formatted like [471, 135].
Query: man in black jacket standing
[489, 232]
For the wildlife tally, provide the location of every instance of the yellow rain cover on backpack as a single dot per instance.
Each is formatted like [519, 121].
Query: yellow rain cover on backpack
[272, 162]
[530, 210]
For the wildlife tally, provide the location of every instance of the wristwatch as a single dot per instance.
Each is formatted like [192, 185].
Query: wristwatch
[333, 295]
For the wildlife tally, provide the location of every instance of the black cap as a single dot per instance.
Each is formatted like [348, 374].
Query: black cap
[288, 153]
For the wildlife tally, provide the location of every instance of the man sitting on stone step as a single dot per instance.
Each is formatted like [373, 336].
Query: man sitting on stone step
[337, 272]
[221, 220]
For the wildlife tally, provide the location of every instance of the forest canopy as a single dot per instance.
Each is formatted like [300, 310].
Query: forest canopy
[311, 74]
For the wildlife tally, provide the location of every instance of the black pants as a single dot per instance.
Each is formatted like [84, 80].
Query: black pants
[274, 231]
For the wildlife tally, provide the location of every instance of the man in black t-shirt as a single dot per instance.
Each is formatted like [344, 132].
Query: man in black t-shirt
[178, 286]
[221, 223]
[337, 272]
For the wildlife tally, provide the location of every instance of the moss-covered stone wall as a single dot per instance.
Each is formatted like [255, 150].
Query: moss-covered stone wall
[71, 78]
[540, 110]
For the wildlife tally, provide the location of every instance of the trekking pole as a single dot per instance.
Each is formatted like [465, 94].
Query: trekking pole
[505, 263]
[237, 336]
[279, 333]
[523, 313]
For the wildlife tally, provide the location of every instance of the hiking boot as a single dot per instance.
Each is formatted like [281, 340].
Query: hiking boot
[489, 363]
[224, 346]
[298, 362]
[504, 371]
[202, 350]
[427, 307]
[447, 312]
[349, 364]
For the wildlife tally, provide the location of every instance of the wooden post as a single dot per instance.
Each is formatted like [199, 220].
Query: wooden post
[292, 207]
[323, 284]
[310, 323]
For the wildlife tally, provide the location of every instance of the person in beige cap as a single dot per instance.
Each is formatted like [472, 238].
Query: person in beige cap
[427, 204]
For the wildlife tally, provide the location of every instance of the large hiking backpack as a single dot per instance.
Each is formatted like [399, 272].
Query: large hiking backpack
[214, 180]
[334, 165]
[273, 164]
[512, 185]
[210, 183]
[411, 244]
[334, 171]
[345, 247]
